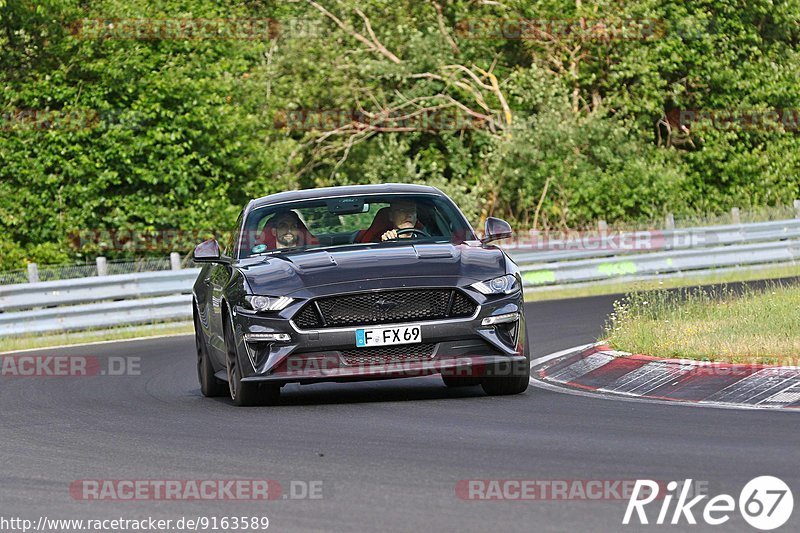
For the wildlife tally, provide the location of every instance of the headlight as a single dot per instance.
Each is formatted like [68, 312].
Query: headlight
[501, 285]
[268, 303]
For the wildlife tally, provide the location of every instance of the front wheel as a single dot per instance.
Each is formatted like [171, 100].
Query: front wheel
[242, 393]
[514, 379]
[210, 386]
[505, 385]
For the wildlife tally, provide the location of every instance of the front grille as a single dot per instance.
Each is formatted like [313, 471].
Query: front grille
[388, 354]
[462, 306]
[385, 307]
[308, 317]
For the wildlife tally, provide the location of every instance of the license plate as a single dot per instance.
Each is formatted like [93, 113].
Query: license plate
[388, 335]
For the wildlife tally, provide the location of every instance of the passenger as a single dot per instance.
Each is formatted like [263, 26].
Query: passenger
[286, 230]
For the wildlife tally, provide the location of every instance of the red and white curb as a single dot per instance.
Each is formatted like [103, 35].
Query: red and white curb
[597, 368]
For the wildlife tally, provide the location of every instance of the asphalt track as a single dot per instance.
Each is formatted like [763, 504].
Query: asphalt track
[389, 454]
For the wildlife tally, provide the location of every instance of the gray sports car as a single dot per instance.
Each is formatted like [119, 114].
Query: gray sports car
[356, 283]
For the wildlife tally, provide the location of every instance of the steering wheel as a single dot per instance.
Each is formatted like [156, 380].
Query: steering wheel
[412, 230]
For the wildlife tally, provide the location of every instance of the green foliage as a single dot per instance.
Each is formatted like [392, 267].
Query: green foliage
[177, 134]
[727, 323]
[594, 168]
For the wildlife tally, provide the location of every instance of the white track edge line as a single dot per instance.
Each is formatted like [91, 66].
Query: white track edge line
[93, 343]
[620, 397]
[546, 358]
[640, 399]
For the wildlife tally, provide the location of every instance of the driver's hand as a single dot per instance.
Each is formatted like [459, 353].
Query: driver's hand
[391, 234]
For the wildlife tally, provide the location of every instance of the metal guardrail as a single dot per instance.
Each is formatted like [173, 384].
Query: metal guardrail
[97, 301]
[635, 254]
[564, 272]
[96, 288]
[106, 314]
[127, 299]
[35, 273]
[537, 247]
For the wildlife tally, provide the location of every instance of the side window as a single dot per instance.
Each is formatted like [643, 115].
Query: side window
[232, 243]
[434, 221]
[263, 222]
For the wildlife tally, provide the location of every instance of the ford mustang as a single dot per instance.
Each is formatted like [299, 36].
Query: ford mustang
[357, 283]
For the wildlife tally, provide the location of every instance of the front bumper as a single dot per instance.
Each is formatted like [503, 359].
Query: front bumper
[467, 366]
[458, 347]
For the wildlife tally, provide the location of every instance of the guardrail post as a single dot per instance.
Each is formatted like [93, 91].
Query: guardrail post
[175, 261]
[33, 273]
[102, 266]
[735, 218]
[669, 221]
[797, 209]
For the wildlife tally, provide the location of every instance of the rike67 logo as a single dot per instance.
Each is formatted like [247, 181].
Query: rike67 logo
[765, 503]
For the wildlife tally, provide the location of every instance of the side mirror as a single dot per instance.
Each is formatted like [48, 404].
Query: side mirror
[208, 252]
[495, 230]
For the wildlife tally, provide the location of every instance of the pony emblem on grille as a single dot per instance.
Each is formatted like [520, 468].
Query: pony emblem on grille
[385, 305]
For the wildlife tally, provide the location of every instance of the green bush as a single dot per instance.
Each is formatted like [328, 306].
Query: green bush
[177, 134]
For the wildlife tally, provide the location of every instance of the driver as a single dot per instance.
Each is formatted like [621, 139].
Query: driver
[402, 215]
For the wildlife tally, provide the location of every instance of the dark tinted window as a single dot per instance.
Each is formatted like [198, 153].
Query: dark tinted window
[354, 220]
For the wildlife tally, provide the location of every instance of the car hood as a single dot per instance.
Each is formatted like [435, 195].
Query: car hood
[295, 273]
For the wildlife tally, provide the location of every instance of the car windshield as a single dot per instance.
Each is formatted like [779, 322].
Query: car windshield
[353, 220]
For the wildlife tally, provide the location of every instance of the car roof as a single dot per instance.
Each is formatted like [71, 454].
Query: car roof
[344, 190]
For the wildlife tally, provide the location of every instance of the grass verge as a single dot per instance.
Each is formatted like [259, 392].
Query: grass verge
[623, 287]
[85, 337]
[742, 325]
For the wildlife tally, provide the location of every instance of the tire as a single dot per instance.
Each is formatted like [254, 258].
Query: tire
[515, 383]
[505, 385]
[210, 386]
[460, 381]
[242, 393]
